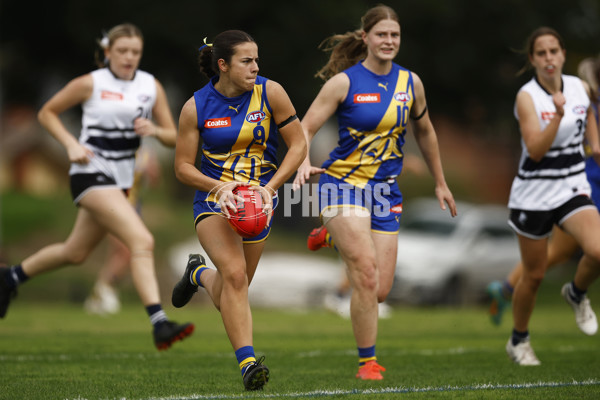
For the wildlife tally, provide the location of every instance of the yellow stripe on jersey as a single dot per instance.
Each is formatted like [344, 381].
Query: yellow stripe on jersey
[245, 162]
[378, 145]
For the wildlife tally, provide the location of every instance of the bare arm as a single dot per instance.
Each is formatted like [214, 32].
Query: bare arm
[592, 130]
[536, 141]
[75, 92]
[186, 149]
[291, 133]
[164, 129]
[322, 108]
[428, 144]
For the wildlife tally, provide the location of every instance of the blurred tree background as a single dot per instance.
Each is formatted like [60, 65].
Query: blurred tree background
[465, 51]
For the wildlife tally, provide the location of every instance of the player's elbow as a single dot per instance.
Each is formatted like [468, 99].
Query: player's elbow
[179, 169]
[302, 149]
[42, 116]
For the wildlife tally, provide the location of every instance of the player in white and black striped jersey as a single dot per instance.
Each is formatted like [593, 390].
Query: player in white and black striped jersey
[551, 188]
[118, 102]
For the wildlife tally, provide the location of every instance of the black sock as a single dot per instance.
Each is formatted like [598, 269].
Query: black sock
[156, 314]
[575, 293]
[15, 276]
[518, 337]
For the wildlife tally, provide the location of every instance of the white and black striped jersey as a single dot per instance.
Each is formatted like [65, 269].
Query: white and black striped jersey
[107, 124]
[560, 175]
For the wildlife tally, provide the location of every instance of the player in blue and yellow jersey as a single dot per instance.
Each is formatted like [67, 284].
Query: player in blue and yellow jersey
[361, 204]
[236, 119]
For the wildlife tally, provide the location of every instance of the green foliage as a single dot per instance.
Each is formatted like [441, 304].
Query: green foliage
[462, 49]
[22, 215]
[57, 351]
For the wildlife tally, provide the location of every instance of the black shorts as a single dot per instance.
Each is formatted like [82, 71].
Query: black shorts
[82, 183]
[538, 224]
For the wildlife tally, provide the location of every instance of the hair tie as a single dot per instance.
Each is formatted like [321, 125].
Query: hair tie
[205, 45]
[104, 42]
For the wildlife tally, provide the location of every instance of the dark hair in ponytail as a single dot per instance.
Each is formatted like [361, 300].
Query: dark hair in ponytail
[222, 47]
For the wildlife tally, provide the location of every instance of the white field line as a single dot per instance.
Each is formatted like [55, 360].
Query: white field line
[390, 390]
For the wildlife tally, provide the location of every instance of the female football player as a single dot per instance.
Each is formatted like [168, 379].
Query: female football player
[555, 116]
[361, 204]
[237, 119]
[119, 102]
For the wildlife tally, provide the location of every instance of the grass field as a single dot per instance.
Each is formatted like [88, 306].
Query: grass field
[51, 349]
[56, 351]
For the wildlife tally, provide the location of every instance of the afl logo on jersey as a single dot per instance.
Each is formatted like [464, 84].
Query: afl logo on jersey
[144, 98]
[579, 109]
[402, 97]
[367, 98]
[217, 123]
[108, 95]
[256, 117]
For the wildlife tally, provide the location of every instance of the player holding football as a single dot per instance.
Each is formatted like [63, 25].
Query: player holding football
[361, 204]
[554, 115]
[236, 118]
[118, 102]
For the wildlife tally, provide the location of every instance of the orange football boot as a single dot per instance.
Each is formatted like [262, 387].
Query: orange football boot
[317, 239]
[370, 371]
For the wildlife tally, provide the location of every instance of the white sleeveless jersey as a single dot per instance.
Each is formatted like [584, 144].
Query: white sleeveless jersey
[107, 124]
[560, 175]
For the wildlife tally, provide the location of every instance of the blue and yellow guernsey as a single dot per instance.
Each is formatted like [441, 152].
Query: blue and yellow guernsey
[372, 126]
[239, 135]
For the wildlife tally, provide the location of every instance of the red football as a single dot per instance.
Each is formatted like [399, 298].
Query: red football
[249, 220]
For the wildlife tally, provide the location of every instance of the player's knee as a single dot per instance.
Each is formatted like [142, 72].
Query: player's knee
[594, 255]
[76, 256]
[236, 278]
[360, 259]
[366, 278]
[381, 297]
[144, 242]
[533, 280]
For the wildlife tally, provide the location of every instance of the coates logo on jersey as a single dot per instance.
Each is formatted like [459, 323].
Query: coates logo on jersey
[547, 115]
[256, 117]
[579, 109]
[108, 95]
[367, 98]
[402, 97]
[217, 122]
[397, 209]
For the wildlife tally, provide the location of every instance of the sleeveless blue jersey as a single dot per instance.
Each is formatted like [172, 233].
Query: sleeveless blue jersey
[372, 126]
[592, 169]
[239, 135]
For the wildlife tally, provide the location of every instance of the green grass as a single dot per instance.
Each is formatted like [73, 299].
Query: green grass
[56, 351]
[51, 349]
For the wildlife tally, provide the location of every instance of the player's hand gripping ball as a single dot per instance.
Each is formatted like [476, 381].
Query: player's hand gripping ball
[248, 220]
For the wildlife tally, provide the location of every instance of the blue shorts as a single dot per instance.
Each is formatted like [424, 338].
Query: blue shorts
[592, 171]
[381, 201]
[205, 208]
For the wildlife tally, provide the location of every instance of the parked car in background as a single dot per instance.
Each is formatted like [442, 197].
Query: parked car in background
[451, 260]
